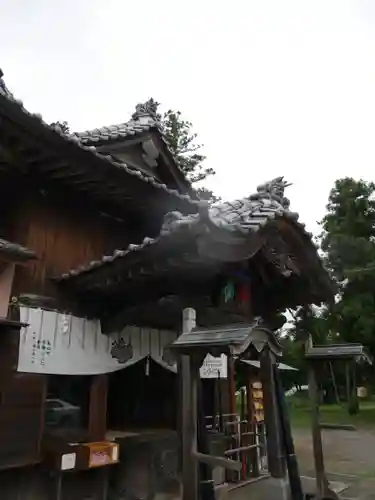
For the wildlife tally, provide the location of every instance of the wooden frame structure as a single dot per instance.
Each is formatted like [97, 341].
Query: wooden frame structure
[192, 347]
[316, 355]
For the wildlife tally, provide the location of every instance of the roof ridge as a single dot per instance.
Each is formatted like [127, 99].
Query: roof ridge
[144, 118]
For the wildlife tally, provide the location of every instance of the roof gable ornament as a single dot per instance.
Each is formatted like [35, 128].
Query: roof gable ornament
[146, 109]
[273, 190]
[3, 88]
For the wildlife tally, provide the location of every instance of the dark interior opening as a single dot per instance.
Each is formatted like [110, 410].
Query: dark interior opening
[67, 405]
[210, 397]
[143, 395]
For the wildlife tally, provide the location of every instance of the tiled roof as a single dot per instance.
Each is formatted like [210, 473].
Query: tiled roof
[74, 138]
[15, 252]
[143, 120]
[239, 218]
[233, 338]
[338, 351]
[112, 132]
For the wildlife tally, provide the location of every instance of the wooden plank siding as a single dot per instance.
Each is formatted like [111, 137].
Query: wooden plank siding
[21, 419]
[64, 234]
[21, 406]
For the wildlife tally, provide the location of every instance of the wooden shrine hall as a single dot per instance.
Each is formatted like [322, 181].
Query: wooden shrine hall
[113, 246]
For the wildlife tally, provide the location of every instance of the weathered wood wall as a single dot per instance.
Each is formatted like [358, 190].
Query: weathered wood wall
[21, 406]
[21, 419]
[65, 234]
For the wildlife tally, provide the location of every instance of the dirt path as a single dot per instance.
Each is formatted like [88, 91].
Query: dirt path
[346, 453]
[349, 458]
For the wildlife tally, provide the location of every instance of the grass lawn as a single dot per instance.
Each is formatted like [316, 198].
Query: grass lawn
[332, 414]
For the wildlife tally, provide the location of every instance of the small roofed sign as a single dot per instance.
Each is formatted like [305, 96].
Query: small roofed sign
[213, 367]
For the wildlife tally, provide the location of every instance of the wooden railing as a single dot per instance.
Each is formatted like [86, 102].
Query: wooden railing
[245, 442]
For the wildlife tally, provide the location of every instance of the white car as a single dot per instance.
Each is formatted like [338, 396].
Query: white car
[61, 413]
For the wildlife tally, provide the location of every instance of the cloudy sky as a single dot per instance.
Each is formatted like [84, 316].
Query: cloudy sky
[272, 87]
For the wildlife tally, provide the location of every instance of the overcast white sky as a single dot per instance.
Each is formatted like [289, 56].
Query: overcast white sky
[273, 87]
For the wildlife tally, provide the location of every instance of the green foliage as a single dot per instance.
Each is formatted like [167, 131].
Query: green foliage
[187, 151]
[348, 243]
[306, 321]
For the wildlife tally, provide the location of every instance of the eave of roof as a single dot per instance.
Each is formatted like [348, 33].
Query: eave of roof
[234, 221]
[15, 109]
[235, 339]
[331, 352]
[15, 252]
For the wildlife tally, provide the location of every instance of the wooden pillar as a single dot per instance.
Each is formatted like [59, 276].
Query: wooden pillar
[98, 407]
[98, 427]
[252, 427]
[321, 478]
[189, 416]
[231, 384]
[276, 459]
[233, 442]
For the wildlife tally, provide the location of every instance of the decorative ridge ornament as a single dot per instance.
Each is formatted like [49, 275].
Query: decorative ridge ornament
[273, 190]
[148, 108]
[3, 88]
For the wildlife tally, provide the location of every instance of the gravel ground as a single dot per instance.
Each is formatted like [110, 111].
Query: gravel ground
[349, 457]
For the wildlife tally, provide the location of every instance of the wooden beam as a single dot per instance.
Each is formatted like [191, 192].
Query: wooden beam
[218, 461]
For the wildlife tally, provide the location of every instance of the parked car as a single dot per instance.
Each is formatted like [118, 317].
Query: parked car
[60, 413]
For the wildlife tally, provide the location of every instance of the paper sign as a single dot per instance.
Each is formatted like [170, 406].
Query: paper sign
[68, 461]
[211, 366]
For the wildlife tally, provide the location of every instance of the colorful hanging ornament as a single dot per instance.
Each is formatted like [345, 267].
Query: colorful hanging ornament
[228, 292]
[243, 293]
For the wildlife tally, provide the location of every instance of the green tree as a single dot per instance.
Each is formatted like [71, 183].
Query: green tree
[306, 321]
[348, 243]
[187, 151]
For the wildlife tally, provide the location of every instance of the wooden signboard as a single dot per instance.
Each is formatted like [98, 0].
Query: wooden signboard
[257, 400]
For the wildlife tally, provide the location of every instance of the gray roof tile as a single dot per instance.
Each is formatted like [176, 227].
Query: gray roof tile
[235, 338]
[143, 120]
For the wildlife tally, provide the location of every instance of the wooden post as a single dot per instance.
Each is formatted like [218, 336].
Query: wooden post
[189, 416]
[275, 448]
[232, 409]
[98, 426]
[98, 407]
[321, 478]
[251, 427]
[231, 385]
